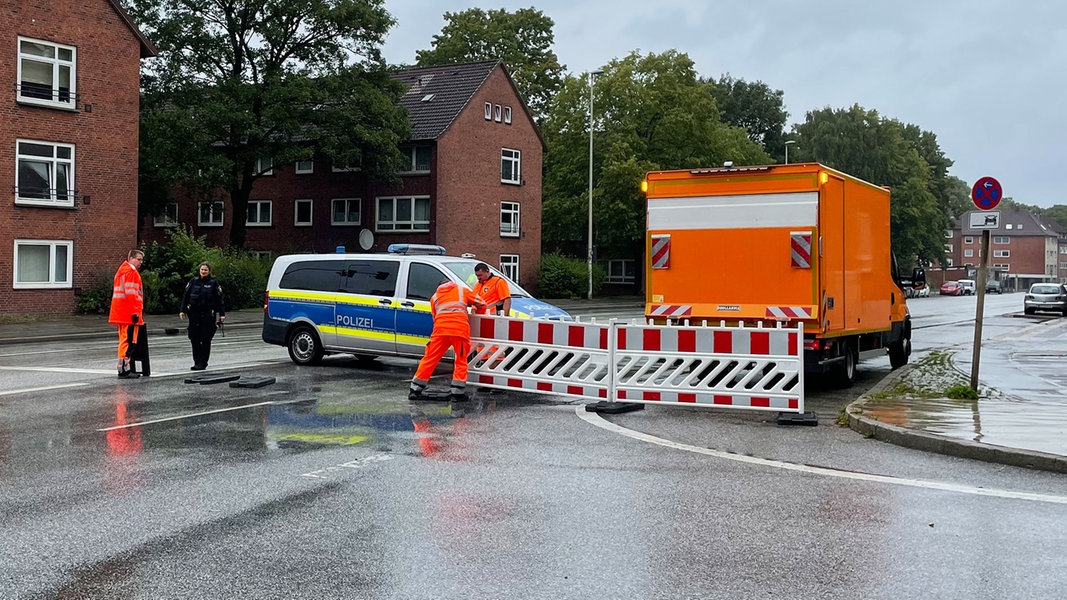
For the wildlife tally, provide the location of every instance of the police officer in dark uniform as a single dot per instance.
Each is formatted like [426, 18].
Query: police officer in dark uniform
[202, 303]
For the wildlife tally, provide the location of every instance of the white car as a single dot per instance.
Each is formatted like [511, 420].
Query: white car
[923, 292]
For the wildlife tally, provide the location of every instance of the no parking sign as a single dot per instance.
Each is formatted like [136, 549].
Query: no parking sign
[986, 193]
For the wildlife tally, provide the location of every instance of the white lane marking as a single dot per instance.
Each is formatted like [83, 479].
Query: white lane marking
[359, 463]
[199, 414]
[599, 421]
[61, 386]
[61, 370]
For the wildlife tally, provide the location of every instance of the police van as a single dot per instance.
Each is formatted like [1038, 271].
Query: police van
[369, 304]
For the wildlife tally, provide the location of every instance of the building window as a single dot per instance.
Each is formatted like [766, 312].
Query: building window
[1001, 239]
[621, 271]
[948, 233]
[510, 163]
[418, 158]
[509, 266]
[43, 263]
[345, 211]
[45, 174]
[265, 166]
[406, 213]
[258, 213]
[497, 113]
[260, 254]
[46, 73]
[509, 219]
[968, 240]
[169, 216]
[507, 115]
[948, 248]
[340, 166]
[1001, 266]
[968, 253]
[302, 212]
[1002, 254]
[488, 111]
[210, 214]
[305, 167]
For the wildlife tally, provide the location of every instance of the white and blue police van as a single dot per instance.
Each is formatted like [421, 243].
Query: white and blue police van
[369, 304]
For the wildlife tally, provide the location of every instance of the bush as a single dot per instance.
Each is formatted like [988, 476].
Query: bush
[564, 277]
[95, 299]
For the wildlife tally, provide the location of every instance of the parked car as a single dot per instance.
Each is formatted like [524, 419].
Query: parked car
[1046, 297]
[951, 288]
[992, 286]
[923, 292]
[969, 286]
[369, 304]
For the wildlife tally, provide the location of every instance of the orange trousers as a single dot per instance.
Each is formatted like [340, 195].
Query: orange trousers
[435, 351]
[127, 336]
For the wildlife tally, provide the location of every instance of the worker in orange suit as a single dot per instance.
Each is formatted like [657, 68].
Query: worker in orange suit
[493, 290]
[451, 329]
[127, 309]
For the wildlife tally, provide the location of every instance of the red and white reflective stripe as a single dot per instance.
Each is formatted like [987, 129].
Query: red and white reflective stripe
[661, 251]
[551, 387]
[711, 399]
[671, 310]
[781, 342]
[800, 249]
[554, 333]
[788, 312]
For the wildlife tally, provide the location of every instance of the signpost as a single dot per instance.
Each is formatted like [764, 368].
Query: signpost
[986, 195]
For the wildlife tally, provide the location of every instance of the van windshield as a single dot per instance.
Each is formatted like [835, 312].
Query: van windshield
[465, 270]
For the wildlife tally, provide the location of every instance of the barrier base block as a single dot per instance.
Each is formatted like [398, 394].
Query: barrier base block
[613, 408]
[433, 396]
[252, 382]
[805, 418]
[209, 379]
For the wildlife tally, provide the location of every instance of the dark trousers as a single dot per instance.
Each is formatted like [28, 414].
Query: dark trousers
[202, 329]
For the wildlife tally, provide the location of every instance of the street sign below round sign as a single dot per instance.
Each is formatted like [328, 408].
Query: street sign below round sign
[986, 193]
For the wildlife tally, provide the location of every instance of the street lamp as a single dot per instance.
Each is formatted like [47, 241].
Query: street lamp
[589, 256]
[787, 150]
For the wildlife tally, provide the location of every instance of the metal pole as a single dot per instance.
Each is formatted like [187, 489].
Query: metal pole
[977, 352]
[787, 144]
[589, 254]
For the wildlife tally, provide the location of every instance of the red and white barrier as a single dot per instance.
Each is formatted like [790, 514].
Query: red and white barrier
[754, 368]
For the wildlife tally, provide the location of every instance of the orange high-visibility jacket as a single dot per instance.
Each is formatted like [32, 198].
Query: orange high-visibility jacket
[448, 305]
[492, 290]
[127, 297]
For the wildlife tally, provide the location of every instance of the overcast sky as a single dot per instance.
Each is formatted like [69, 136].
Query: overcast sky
[986, 76]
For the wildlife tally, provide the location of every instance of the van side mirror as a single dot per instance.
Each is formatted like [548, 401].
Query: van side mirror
[918, 276]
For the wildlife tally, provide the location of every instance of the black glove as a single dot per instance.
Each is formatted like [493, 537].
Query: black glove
[135, 319]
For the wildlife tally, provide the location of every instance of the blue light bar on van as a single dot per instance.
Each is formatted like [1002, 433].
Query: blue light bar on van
[415, 249]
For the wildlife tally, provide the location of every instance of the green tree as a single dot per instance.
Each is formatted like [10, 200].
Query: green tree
[522, 39]
[241, 81]
[756, 108]
[651, 112]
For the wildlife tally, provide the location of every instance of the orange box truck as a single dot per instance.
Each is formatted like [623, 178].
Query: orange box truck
[780, 243]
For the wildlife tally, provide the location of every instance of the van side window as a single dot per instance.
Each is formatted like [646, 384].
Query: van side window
[423, 281]
[372, 277]
[313, 275]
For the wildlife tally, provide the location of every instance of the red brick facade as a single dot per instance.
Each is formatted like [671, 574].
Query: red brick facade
[101, 126]
[463, 185]
[1023, 250]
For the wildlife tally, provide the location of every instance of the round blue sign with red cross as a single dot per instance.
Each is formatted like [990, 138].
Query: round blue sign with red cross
[986, 193]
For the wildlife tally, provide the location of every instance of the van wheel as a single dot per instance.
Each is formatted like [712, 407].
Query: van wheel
[898, 353]
[304, 346]
[845, 374]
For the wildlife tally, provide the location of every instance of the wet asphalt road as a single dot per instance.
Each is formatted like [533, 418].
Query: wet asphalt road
[330, 484]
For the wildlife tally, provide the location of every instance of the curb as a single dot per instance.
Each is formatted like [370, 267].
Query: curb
[928, 442]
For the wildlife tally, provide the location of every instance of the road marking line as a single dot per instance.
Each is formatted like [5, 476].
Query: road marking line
[597, 420]
[199, 414]
[61, 386]
[61, 370]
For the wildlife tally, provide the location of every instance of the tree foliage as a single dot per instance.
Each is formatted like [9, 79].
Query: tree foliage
[238, 81]
[756, 108]
[650, 112]
[522, 39]
[887, 152]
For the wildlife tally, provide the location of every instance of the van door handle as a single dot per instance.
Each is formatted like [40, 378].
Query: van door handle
[407, 304]
[385, 301]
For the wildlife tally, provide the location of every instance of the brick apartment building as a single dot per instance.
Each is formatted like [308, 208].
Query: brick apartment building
[1026, 249]
[473, 186]
[68, 148]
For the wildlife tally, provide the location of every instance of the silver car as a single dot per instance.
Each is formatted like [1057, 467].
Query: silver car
[1046, 297]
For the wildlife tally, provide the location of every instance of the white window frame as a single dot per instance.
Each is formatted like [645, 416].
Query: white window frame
[53, 282]
[393, 224]
[53, 164]
[968, 253]
[258, 206]
[1002, 254]
[509, 219]
[60, 67]
[304, 167]
[507, 115]
[512, 157]
[617, 272]
[948, 248]
[216, 214]
[1001, 239]
[948, 234]
[169, 218]
[349, 203]
[296, 212]
[488, 111]
[968, 240]
[509, 266]
[496, 113]
[336, 168]
[260, 254]
[264, 166]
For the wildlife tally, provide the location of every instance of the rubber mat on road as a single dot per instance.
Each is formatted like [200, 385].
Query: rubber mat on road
[209, 379]
[252, 382]
[613, 408]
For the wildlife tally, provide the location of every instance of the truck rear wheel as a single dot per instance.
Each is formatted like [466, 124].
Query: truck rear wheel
[899, 352]
[845, 372]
